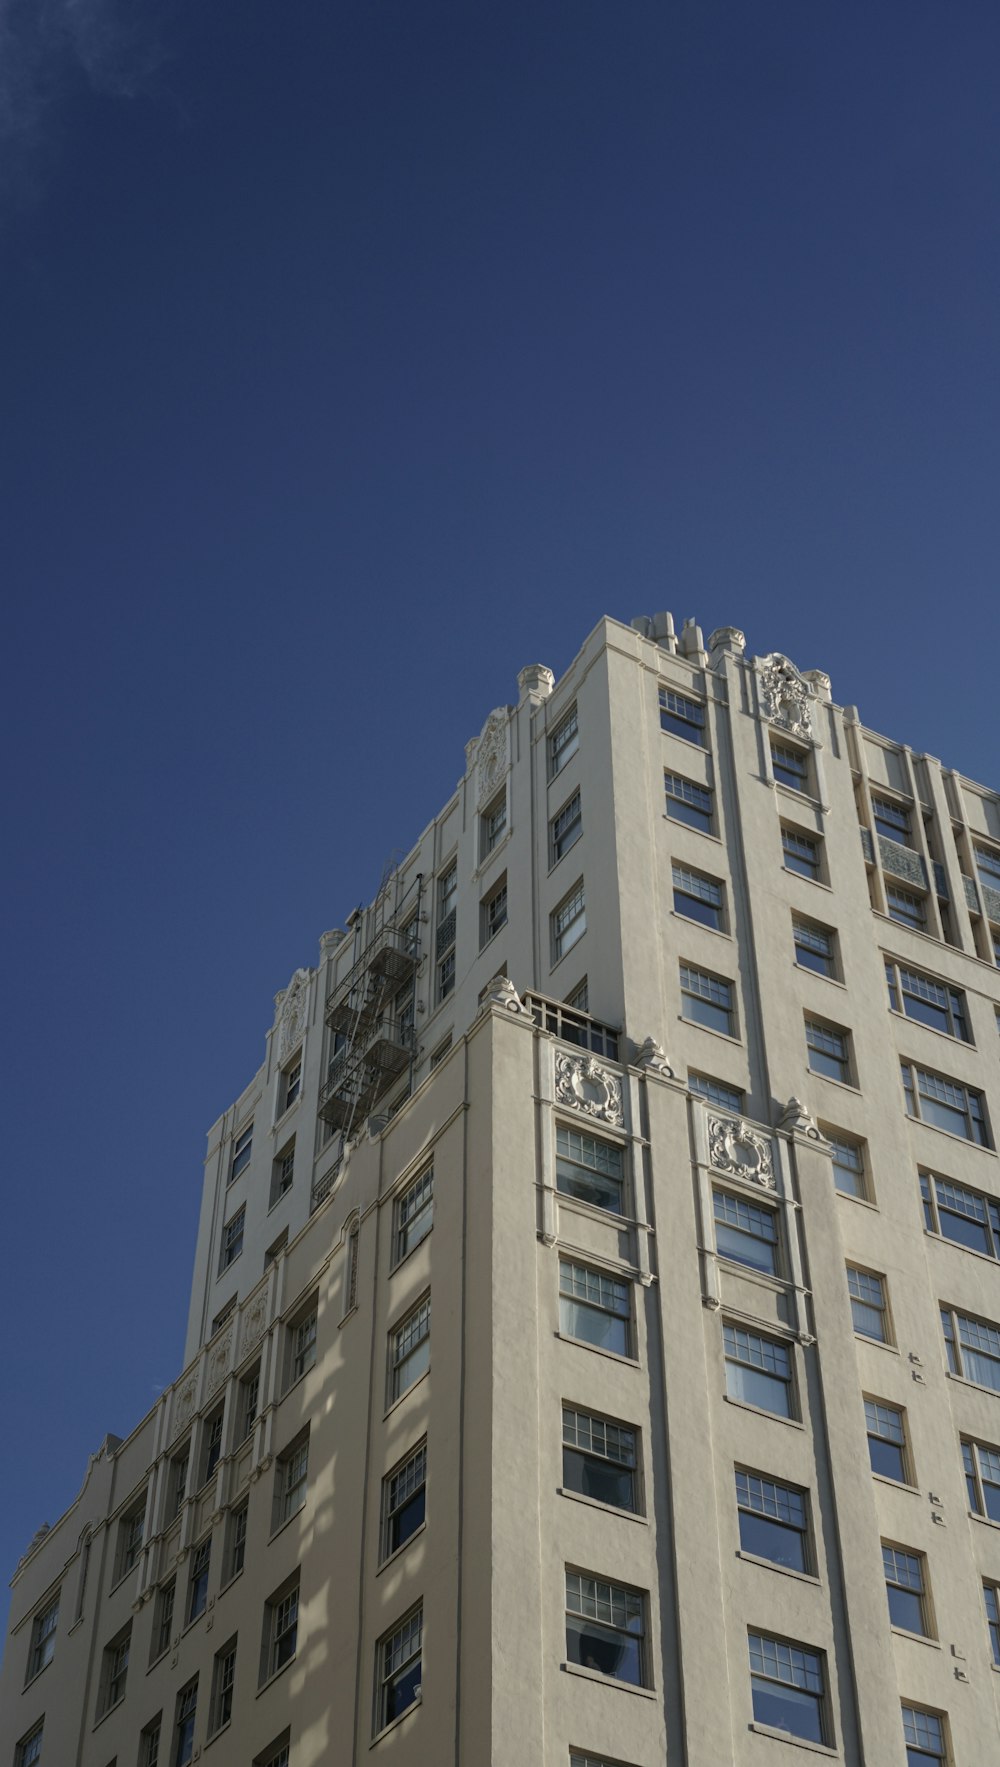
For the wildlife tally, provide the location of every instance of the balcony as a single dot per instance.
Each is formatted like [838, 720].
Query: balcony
[384, 965]
[573, 1026]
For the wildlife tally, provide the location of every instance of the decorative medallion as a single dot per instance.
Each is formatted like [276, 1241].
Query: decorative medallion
[184, 1401]
[502, 992]
[733, 1146]
[254, 1323]
[796, 1120]
[583, 1084]
[493, 754]
[292, 1013]
[653, 1058]
[784, 695]
[218, 1363]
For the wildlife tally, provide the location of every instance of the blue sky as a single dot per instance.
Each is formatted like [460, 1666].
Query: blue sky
[355, 355]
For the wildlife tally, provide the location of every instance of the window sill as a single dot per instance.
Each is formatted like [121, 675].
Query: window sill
[907, 1018]
[488, 858]
[488, 941]
[399, 1550]
[778, 1285]
[917, 1637]
[986, 1520]
[897, 1484]
[861, 1337]
[554, 864]
[387, 1729]
[409, 1254]
[646, 1693]
[233, 1579]
[718, 932]
[723, 1036]
[977, 1387]
[286, 1114]
[628, 1515]
[217, 1733]
[793, 1423]
[768, 1564]
[108, 1711]
[270, 1209]
[943, 1239]
[818, 884]
[949, 1134]
[286, 1523]
[842, 1085]
[596, 1350]
[804, 799]
[799, 1742]
[705, 833]
[807, 970]
[593, 1211]
[864, 1201]
[153, 1661]
[189, 1625]
[38, 1674]
[403, 1396]
[275, 1677]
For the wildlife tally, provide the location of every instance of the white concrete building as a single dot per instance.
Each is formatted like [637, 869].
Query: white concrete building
[594, 1343]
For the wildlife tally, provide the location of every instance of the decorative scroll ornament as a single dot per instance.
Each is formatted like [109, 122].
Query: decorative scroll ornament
[583, 1084]
[653, 1058]
[493, 754]
[795, 1120]
[292, 1013]
[184, 1401]
[784, 695]
[218, 1362]
[733, 1146]
[254, 1323]
[502, 992]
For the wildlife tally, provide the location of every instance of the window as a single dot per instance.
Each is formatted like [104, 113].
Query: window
[130, 1532]
[869, 1309]
[404, 1496]
[590, 1170]
[946, 1104]
[745, 1232]
[187, 1702]
[397, 1685]
[688, 802]
[163, 1619]
[982, 1478]
[223, 1675]
[281, 1628]
[232, 1240]
[493, 825]
[114, 1671]
[815, 947]
[290, 1480]
[198, 1580]
[758, 1371]
[29, 1749]
[43, 1638]
[848, 1165]
[904, 906]
[904, 1582]
[410, 1349]
[580, 998]
[303, 1342]
[414, 1212]
[801, 853]
[177, 1482]
[578, 1760]
[964, 1215]
[569, 922]
[242, 1149]
[282, 1173]
[564, 742]
[605, 1628]
[987, 861]
[248, 1400]
[991, 1596]
[891, 820]
[446, 976]
[707, 1000]
[886, 1429]
[600, 1460]
[790, 766]
[972, 1347]
[828, 1051]
[211, 1444]
[276, 1248]
[227, 1311]
[493, 913]
[697, 897]
[595, 1308]
[565, 829]
[787, 1687]
[921, 997]
[291, 1084]
[438, 1055]
[276, 1754]
[923, 1733]
[773, 1521]
[682, 716]
[236, 1545]
[149, 1742]
[728, 1098]
[447, 893]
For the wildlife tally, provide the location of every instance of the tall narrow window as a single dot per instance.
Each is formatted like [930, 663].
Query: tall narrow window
[788, 1687]
[568, 922]
[211, 1444]
[849, 1173]
[564, 742]
[291, 1480]
[232, 1240]
[303, 1342]
[590, 1169]
[404, 1495]
[242, 1149]
[163, 1618]
[29, 1750]
[248, 1403]
[130, 1533]
[223, 1677]
[982, 1478]
[904, 1582]
[43, 1638]
[869, 1307]
[282, 1173]
[198, 1580]
[493, 912]
[565, 829]
[281, 1628]
[114, 1671]
[187, 1704]
[493, 825]
[236, 1544]
[149, 1742]
[410, 1349]
[886, 1430]
[606, 1628]
[414, 1211]
[773, 1521]
[398, 1680]
[291, 1083]
[923, 1733]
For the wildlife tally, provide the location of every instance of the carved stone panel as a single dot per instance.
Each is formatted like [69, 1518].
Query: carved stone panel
[185, 1399]
[219, 1361]
[785, 699]
[292, 1013]
[734, 1146]
[902, 862]
[254, 1323]
[584, 1085]
[493, 755]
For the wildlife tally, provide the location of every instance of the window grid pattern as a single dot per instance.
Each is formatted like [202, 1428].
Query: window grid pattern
[187, 1703]
[930, 1002]
[117, 1660]
[149, 1744]
[884, 1422]
[594, 1288]
[564, 742]
[295, 1471]
[688, 802]
[399, 1668]
[716, 1092]
[828, 1051]
[925, 1732]
[242, 1150]
[495, 912]
[991, 1597]
[285, 1630]
[800, 853]
[790, 766]
[590, 1169]
[745, 1216]
[495, 824]
[569, 922]
[973, 1347]
[813, 947]
[960, 1214]
[697, 897]
[29, 1750]
[409, 1357]
[892, 820]
[411, 1475]
[414, 1213]
[225, 1669]
[132, 1532]
[165, 1617]
[609, 1603]
[868, 1308]
[232, 1240]
[947, 1104]
[904, 906]
[198, 1586]
[43, 1638]
[707, 999]
[595, 1435]
[982, 1478]
[567, 827]
[304, 1341]
[780, 1503]
[778, 1661]
[848, 1166]
[756, 1352]
[682, 716]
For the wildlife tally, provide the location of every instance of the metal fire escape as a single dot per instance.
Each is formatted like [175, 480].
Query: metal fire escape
[371, 1013]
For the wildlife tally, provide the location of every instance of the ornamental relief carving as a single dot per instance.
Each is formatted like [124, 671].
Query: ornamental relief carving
[784, 695]
[218, 1363]
[584, 1085]
[254, 1323]
[733, 1146]
[184, 1401]
[292, 1013]
[493, 754]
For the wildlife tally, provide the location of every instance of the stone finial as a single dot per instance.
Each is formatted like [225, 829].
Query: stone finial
[535, 683]
[820, 683]
[652, 1058]
[726, 641]
[691, 641]
[329, 941]
[501, 993]
[796, 1120]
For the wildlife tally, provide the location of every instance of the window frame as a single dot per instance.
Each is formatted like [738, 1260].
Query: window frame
[893, 820]
[409, 1627]
[839, 1139]
[711, 1004]
[42, 1640]
[768, 1520]
[220, 1705]
[242, 1153]
[635, 1603]
[906, 907]
[577, 925]
[682, 716]
[931, 1184]
[824, 947]
[303, 1340]
[790, 764]
[874, 1410]
[952, 1011]
[623, 1311]
[493, 824]
[821, 1034]
[696, 802]
[562, 748]
[185, 1714]
[281, 1623]
[291, 1480]
[961, 1355]
[821, 1707]
[808, 864]
[237, 1524]
[404, 1240]
[22, 1757]
[406, 1351]
[905, 1563]
[164, 1615]
[199, 1571]
[231, 1244]
[752, 1207]
[976, 1484]
[565, 828]
[402, 1486]
[114, 1671]
[974, 1110]
[781, 1382]
[724, 1097]
[291, 1083]
[600, 1459]
[590, 1177]
[131, 1535]
[493, 912]
[282, 1173]
[150, 1737]
[860, 1294]
[711, 898]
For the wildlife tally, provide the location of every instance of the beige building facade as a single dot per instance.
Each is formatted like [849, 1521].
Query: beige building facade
[593, 1355]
